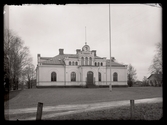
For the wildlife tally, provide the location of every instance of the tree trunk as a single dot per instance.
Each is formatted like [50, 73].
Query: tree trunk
[31, 83]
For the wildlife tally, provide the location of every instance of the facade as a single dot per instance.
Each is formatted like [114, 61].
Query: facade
[83, 69]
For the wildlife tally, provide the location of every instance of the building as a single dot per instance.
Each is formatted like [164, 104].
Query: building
[155, 80]
[83, 69]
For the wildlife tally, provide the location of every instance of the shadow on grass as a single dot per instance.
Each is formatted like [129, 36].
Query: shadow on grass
[11, 94]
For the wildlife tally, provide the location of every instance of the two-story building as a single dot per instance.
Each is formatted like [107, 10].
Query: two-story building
[83, 69]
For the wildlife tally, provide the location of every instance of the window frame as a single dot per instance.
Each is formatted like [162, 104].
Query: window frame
[86, 61]
[73, 77]
[99, 77]
[53, 77]
[90, 61]
[115, 76]
[95, 64]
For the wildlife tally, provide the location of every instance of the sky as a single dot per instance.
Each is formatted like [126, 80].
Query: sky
[135, 30]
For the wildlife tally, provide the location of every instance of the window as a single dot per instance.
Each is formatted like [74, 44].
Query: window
[53, 76]
[73, 76]
[76, 63]
[101, 64]
[82, 61]
[90, 61]
[86, 61]
[98, 64]
[99, 76]
[70, 63]
[115, 77]
[95, 64]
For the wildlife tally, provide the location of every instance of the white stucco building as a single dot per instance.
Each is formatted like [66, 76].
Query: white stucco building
[83, 69]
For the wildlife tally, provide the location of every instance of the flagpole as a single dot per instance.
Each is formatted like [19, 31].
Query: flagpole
[110, 86]
[85, 36]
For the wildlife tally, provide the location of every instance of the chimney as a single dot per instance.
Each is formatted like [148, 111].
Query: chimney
[61, 51]
[38, 58]
[78, 51]
[94, 51]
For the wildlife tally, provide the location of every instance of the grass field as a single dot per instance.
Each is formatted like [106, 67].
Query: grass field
[141, 112]
[66, 96]
[57, 96]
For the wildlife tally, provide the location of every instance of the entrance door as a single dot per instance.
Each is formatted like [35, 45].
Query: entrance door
[90, 78]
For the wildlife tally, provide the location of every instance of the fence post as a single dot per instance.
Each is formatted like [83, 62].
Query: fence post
[39, 111]
[131, 109]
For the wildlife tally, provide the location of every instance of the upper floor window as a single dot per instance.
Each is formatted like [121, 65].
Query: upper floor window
[76, 63]
[86, 61]
[73, 76]
[82, 61]
[115, 76]
[70, 63]
[101, 64]
[95, 64]
[53, 76]
[90, 61]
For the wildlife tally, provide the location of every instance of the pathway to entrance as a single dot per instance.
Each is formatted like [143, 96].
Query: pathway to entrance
[59, 110]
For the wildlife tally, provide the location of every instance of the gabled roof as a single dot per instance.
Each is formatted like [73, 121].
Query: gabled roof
[114, 64]
[97, 57]
[155, 76]
[58, 60]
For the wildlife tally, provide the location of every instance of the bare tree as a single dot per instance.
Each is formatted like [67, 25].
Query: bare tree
[16, 58]
[156, 66]
[145, 81]
[29, 73]
[131, 75]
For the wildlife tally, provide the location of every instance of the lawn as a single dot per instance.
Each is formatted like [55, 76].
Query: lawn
[141, 112]
[58, 96]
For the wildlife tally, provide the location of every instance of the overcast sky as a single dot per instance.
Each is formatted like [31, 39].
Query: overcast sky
[135, 29]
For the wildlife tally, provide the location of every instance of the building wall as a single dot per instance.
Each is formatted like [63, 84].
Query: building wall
[64, 75]
[44, 75]
[122, 75]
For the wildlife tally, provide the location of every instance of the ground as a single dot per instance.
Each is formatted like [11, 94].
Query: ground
[141, 112]
[56, 96]
[70, 96]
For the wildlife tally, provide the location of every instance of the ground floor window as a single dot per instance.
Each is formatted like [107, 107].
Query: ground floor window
[99, 76]
[115, 76]
[73, 76]
[53, 76]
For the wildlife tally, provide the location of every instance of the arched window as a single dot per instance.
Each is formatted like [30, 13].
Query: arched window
[115, 76]
[82, 61]
[73, 76]
[101, 64]
[90, 61]
[99, 76]
[73, 63]
[53, 76]
[86, 61]
[98, 64]
[95, 64]
[76, 63]
[70, 63]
